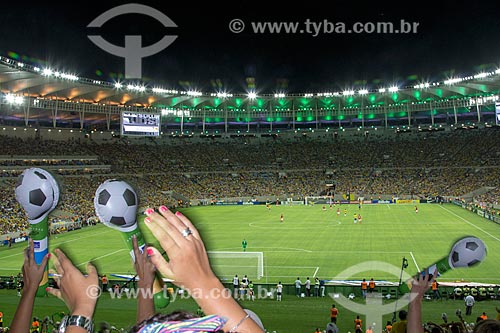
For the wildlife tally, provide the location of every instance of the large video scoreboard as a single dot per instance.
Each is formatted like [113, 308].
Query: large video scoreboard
[140, 124]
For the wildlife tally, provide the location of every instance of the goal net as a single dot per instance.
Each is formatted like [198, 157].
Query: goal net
[323, 200]
[227, 264]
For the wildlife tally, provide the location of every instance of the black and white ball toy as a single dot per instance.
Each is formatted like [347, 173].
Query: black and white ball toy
[37, 192]
[116, 203]
[467, 252]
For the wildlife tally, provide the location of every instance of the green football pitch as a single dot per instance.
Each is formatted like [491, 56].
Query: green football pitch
[311, 242]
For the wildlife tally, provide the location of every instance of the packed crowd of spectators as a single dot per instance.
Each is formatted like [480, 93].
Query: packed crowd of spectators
[416, 164]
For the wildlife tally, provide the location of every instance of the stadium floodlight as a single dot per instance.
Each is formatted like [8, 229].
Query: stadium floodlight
[36, 69]
[348, 92]
[279, 95]
[497, 71]
[453, 81]
[70, 77]
[393, 89]
[252, 95]
[363, 91]
[481, 75]
[224, 95]
[194, 93]
[381, 90]
[9, 98]
[20, 64]
[47, 72]
[14, 99]
[118, 85]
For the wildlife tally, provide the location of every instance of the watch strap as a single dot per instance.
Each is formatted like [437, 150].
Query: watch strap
[79, 321]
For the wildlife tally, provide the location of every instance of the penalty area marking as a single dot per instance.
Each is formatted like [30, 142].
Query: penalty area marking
[414, 261]
[470, 223]
[100, 257]
[316, 272]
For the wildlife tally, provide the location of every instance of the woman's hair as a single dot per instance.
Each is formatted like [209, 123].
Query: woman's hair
[162, 317]
[487, 326]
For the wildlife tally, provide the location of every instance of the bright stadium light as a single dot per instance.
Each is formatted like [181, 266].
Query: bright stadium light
[363, 92]
[480, 75]
[252, 95]
[9, 98]
[194, 93]
[422, 85]
[381, 90]
[47, 72]
[348, 92]
[118, 85]
[70, 77]
[497, 71]
[14, 99]
[453, 81]
[393, 89]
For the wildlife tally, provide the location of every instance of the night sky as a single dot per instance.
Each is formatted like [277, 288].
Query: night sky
[452, 38]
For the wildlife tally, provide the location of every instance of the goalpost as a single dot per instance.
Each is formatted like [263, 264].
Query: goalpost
[226, 264]
[325, 199]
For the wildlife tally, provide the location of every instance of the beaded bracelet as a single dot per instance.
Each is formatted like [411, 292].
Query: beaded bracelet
[232, 330]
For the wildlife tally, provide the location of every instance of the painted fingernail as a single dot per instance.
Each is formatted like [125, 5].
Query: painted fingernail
[150, 251]
[49, 255]
[163, 209]
[178, 213]
[47, 289]
[149, 211]
[147, 220]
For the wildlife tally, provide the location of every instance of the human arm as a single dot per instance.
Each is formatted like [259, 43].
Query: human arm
[421, 283]
[146, 272]
[79, 292]
[32, 274]
[189, 267]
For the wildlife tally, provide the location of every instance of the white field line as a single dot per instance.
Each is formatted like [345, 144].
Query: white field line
[414, 261]
[470, 223]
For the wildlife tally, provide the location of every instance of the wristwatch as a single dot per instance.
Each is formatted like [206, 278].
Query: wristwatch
[80, 321]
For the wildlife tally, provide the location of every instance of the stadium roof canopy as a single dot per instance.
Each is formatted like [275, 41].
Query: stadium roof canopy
[26, 80]
[57, 96]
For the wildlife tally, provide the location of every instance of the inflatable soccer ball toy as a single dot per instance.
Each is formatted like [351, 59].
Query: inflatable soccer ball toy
[116, 204]
[467, 252]
[37, 192]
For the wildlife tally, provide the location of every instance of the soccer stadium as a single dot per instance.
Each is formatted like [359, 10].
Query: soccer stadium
[301, 198]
